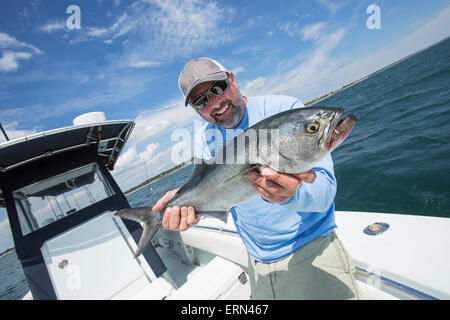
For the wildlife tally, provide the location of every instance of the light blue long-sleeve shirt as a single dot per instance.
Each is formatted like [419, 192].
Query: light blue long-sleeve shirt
[272, 231]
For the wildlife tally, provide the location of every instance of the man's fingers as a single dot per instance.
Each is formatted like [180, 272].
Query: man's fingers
[197, 218]
[161, 203]
[308, 176]
[271, 184]
[277, 186]
[263, 192]
[175, 217]
[287, 181]
[267, 195]
[183, 220]
[190, 216]
[166, 218]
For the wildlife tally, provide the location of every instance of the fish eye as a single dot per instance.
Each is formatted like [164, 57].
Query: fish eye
[312, 127]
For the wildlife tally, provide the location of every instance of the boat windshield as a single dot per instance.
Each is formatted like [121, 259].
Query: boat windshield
[47, 201]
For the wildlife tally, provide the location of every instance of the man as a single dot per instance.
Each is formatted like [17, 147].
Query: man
[288, 231]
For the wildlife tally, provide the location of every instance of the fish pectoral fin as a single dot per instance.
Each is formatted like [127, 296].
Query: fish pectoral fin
[151, 221]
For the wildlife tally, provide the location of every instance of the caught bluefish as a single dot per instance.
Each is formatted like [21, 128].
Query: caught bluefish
[292, 141]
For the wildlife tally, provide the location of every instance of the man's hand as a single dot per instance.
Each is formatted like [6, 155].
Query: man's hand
[176, 218]
[276, 186]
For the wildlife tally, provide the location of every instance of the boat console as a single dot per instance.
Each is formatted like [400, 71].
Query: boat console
[60, 198]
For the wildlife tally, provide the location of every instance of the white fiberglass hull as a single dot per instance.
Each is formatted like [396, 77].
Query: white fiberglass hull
[409, 260]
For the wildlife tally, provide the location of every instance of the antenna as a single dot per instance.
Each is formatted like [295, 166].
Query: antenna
[4, 132]
[146, 172]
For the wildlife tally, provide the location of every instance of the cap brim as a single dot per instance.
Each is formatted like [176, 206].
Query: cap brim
[212, 77]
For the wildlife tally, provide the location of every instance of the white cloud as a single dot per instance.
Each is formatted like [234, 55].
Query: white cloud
[161, 121]
[98, 32]
[304, 79]
[13, 51]
[307, 32]
[53, 27]
[429, 33]
[132, 164]
[147, 154]
[123, 25]
[14, 133]
[10, 60]
[320, 71]
[164, 29]
[144, 64]
[256, 86]
[132, 167]
[292, 28]
[153, 32]
[237, 70]
[127, 158]
[195, 20]
[334, 6]
[312, 31]
[10, 43]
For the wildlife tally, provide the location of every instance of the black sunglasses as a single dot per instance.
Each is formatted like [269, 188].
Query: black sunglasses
[217, 88]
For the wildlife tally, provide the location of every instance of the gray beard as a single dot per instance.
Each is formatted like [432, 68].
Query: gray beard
[236, 117]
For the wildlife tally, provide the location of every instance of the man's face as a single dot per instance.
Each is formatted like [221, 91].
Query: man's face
[224, 110]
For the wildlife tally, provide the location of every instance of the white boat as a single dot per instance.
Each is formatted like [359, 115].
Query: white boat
[60, 198]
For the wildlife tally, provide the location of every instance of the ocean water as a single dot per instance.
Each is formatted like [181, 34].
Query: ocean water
[13, 285]
[396, 160]
[150, 194]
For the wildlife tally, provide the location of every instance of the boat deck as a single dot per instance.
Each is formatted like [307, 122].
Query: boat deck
[209, 261]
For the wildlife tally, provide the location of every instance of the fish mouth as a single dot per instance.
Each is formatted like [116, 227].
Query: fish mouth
[339, 129]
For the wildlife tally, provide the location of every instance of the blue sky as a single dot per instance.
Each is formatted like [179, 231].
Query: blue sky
[126, 58]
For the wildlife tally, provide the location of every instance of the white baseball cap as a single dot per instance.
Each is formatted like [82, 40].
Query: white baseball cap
[198, 71]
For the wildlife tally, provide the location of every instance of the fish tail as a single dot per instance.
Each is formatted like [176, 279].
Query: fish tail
[151, 222]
